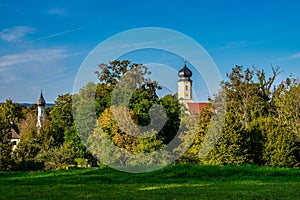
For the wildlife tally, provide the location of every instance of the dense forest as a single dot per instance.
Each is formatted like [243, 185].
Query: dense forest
[261, 124]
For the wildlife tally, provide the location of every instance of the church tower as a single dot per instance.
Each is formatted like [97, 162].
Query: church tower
[185, 85]
[41, 109]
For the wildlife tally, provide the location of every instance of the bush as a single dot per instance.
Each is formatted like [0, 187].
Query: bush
[55, 158]
[81, 162]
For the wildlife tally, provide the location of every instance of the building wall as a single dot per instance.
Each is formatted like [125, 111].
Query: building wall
[15, 143]
[185, 90]
[40, 116]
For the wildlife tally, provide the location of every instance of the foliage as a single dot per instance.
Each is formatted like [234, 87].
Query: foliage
[84, 111]
[134, 97]
[81, 162]
[282, 146]
[32, 141]
[61, 117]
[111, 73]
[5, 145]
[10, 114]
[192, 154]
[229, 149]
[73, 143]
[54, 158]
[121, 119]
[102, 97]
[248, 99]
[173, 113]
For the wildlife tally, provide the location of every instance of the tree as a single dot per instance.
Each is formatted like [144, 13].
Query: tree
[13, 112]
[102, 97]
[29, 145]
[110, 74]
[84, 113]
[173, 113]
[73, 144]
[30, 109]
[192, 154]
[229, 148]
[111, 129]
[286, 100]
[5, 145]
[282, 146]
[125, 73]
[32, 141]
[247, 100]
[10, 113]
[54, 158]
[61, 117]
[265, 89]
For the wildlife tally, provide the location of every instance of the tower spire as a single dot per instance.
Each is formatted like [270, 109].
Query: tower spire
[41, 108]
[185, 84]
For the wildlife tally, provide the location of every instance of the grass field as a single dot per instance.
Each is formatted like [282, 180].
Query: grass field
[173, 182]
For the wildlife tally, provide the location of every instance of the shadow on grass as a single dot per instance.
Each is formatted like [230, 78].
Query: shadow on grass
[170, 174]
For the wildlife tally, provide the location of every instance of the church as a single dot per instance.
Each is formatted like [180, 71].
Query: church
[41, 111]
[15, 132]
[185, 91]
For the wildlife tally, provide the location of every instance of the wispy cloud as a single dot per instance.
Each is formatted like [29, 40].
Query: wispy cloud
[16, 33]
[120, 44]
[32, 56]
[24, 72]
[236, 44]
[57, 34]
[293, 56]
[61, 12]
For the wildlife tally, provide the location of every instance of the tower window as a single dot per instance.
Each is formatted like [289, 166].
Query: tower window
[186, 87]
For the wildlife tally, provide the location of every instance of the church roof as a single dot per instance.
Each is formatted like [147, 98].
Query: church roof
[185, 72]
[41, 101]
[15, 132]
[196, 107]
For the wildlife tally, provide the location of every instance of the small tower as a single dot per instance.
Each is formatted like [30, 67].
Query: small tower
[185, 85]
[41, 109]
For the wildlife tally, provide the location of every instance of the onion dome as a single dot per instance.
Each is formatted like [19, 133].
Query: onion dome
[41, 101]
[185, 72]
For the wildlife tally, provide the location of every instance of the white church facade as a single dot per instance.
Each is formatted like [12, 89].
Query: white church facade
[41, 111]
[15, 132]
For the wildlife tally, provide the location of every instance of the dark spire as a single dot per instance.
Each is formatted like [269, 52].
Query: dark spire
[41, 101]
[185, 72]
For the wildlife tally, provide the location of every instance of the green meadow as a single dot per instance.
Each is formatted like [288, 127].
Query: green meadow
[173, 182]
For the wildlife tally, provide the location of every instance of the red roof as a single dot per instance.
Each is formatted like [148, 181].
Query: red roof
[14, 134]
[196, 107]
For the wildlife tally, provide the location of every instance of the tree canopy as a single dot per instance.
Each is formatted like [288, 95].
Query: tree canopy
[261, 123]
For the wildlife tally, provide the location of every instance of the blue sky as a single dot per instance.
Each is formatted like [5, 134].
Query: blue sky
[43, 43]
